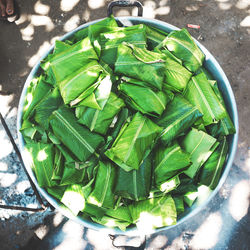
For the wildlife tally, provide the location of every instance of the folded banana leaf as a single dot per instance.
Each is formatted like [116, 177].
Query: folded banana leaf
[100, 120]
[177, 118]
[73, 198]
[110, 41]
[154, 213]
[200, 93]
[112, 222]
[169, 161]
[154, 36]
[79, 140]
[99, 97]
[211, 171]
[186, 185]
[79, 82]
[40, 88]
[28, 130]
[103, 193]
[181, 44]
[71, 172]
[168, 54]
[56, 191]
[41, 157]
[135, 184]
[60, 46]
[58, 166]
[179, 204]
[169, 184]
[135, 96]
[121, 118]
[200, 146]
[94, 30]
[51, 102]
[190, 197]
[72, 59]
[176, 75]
[134, 142]
[225, 125]
[121, 213]
[140, 64]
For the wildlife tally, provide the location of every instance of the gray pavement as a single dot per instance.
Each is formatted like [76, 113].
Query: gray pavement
[225, 32]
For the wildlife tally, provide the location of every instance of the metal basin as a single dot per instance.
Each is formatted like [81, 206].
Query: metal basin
[210, 63]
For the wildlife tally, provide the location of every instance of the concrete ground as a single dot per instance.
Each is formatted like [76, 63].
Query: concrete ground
[225, 32]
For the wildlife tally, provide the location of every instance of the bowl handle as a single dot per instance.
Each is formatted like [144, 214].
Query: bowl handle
[125, 3]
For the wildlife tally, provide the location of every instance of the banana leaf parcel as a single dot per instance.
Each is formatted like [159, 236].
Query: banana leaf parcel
[134, 142]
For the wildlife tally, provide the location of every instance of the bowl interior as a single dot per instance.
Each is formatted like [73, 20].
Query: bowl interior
[211, 65]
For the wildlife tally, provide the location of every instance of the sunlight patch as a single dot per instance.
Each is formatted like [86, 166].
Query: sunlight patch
[239, 200]
[245, 22]
[46, 21]
[67, 5]
[242, 4]
[95, 4]
[72, 23]
[27, 32]
[212, 224]
[41, 8]
[42, 155]
[35, 58]
[7, 179]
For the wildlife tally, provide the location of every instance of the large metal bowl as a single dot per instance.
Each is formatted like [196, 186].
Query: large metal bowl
[210, 63]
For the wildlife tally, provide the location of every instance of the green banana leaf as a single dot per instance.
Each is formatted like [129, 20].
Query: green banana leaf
[60, 46]
[28, 130]
[79, 140]
[100, 120]
[94, 31]
[121, 213]
[176, 75]
[154, 36]
[169, 184]
[79, 35]
[134, 142]
[168, 54]
[114, 131]
[177, 118]
[41, 157]
[72, 59]
[58, 166]
[179, 204]
[56, 191]
[181, 44]
[40, 90]
[154, 213]
[103, 193]
[211, 171]
[135, 184]
[110, 41]
[73, 198]
[190, 197]
[78, 83]
[140, 64]
[200, 93]
[200, 146]
[99, 97]
[112, 222]
[136, 95]
[94, 211]
[186, 185]
[205, 71]
[51, 102]
[225, 125]
[72, 171]
[169, 161]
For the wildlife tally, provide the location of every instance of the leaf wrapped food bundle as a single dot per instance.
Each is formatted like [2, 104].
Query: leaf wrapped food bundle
[140, 64]
[134, 142]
